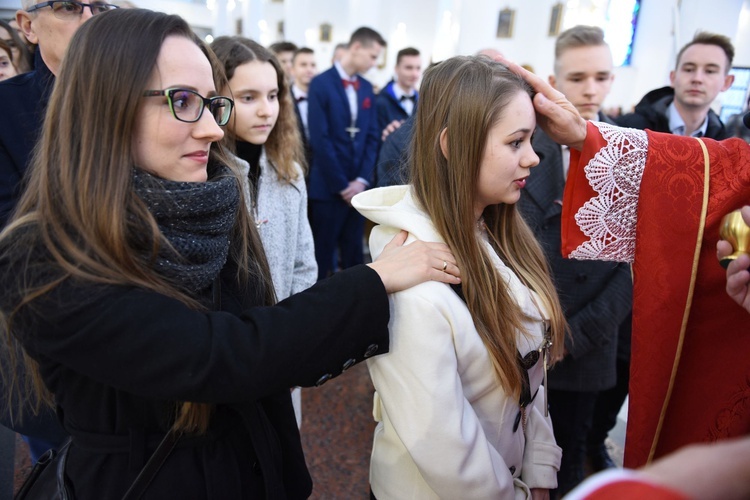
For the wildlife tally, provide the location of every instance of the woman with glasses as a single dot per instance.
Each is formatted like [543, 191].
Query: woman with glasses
[264, 135]
[71, 10]
[459, 401]
[131, 272]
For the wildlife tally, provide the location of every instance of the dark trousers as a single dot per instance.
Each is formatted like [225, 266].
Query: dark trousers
[608, 404]
[336, 226]
[571, 413]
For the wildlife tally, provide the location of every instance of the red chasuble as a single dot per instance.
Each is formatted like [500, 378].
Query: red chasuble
[637, 196]
[630, 490]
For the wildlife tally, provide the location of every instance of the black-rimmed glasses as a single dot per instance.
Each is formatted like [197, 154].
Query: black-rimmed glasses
[72, 10]
[188, 105]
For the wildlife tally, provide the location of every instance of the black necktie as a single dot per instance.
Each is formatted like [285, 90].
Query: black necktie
[407, 98]
[301, 98]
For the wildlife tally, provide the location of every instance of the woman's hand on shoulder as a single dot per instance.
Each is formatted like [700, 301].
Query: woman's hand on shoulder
[403, 266]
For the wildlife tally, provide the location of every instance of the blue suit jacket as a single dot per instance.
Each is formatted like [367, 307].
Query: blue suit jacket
[24, 99]
[336, 158]
[389, 107]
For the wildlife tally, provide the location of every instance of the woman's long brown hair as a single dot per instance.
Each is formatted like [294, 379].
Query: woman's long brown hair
[466, 96]
[284, 145]
[80, 206]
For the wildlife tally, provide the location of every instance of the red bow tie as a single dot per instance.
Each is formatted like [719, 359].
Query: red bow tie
[353, 83]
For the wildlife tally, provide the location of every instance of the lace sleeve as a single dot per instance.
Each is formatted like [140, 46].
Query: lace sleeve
[609, 219]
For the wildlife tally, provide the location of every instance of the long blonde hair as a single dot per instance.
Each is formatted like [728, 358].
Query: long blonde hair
[467, 95]
[79, 214]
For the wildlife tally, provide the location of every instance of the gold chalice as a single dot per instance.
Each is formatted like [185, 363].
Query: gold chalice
[737, 233]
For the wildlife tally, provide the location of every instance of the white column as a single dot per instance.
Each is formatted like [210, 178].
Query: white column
[447, 30]
[742, 37]
[220, 17]
[252, 18]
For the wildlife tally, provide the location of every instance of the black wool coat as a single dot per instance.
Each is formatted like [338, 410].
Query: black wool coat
[117, 358]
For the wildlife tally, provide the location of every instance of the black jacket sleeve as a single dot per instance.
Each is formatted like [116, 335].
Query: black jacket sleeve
[154, 346]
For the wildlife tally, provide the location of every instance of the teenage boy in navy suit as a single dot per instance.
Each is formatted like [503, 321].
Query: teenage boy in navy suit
[398, 99]
[344, 136]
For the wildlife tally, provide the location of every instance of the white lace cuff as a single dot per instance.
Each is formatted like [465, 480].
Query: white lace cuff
[615, 173]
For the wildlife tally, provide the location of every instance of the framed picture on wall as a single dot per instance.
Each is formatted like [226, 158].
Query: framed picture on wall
[325, 32]
[383, 58]
[555, 19]
[505, 23]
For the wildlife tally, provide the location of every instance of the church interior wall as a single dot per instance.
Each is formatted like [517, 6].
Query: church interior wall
[443, 28]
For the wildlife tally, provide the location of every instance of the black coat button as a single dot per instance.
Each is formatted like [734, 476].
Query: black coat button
[256, 469]
[372, 349]
[349, 363]
[322, 380]
[581, 278]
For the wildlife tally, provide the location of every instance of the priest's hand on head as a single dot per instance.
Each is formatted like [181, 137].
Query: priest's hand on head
[554, 113]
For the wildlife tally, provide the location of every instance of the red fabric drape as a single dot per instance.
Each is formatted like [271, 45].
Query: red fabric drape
[711, 393]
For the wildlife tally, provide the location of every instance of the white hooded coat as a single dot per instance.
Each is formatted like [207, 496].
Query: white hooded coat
[445, 425]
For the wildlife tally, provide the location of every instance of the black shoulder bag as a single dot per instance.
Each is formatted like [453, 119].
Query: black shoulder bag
[47, 479]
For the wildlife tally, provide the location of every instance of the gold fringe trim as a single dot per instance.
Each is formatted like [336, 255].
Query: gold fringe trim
[691, 290]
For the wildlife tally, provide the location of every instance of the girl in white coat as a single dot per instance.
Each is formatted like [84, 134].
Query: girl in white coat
[459, 403]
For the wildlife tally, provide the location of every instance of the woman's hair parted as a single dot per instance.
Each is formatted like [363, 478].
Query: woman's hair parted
[80, 208]
[284, 145]
[466, 96]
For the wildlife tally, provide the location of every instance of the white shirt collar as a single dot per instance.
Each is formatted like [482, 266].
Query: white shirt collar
[342, 73]
[297, 93]
[398, 92]
[677, 124]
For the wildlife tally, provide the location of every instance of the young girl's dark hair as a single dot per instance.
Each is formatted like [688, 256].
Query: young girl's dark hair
[284, 145]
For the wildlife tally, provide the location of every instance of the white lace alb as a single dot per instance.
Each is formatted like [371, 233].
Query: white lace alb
[615, 173]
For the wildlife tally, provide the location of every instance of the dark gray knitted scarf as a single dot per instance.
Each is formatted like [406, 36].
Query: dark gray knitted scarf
[196, 218]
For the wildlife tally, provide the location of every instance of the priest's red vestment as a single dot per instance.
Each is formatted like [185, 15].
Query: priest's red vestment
[637, 196]
[622, 484]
